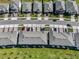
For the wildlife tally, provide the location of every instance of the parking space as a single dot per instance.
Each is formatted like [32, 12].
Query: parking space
[8, 28]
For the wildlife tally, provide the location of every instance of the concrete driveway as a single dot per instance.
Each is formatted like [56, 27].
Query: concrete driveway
[73, 18]
[39, 17]
[28, 17]
[6, 17]
[61, 18]
[46, 17]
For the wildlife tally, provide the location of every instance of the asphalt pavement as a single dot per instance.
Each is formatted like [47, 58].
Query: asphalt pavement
[47, 22]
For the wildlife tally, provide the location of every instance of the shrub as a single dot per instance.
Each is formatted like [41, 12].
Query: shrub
[4, 53]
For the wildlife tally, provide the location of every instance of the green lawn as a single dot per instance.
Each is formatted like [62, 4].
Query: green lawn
[77, 1]
[47, 0]
[26, 0]
[53, 16]
[21, 15]
[34, 15]
[70, 29]
[2, 16]
[4, 1]
[38, 53]
[39, 0]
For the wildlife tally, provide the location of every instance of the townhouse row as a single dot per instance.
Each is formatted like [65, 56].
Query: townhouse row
[68, 7]
[12, 36]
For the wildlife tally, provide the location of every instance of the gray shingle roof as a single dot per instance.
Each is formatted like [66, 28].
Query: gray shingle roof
[78, 9]
[26, 7]
[59, 7]
[32, 38]
[13, 7]
[55, 39]
[76, 35]
[4, 8]
[70, 7]
[48, 6]
[37, 7]
[9, 39]
[15, 2]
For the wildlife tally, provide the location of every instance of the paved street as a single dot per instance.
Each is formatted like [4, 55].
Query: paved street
[7, 22]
